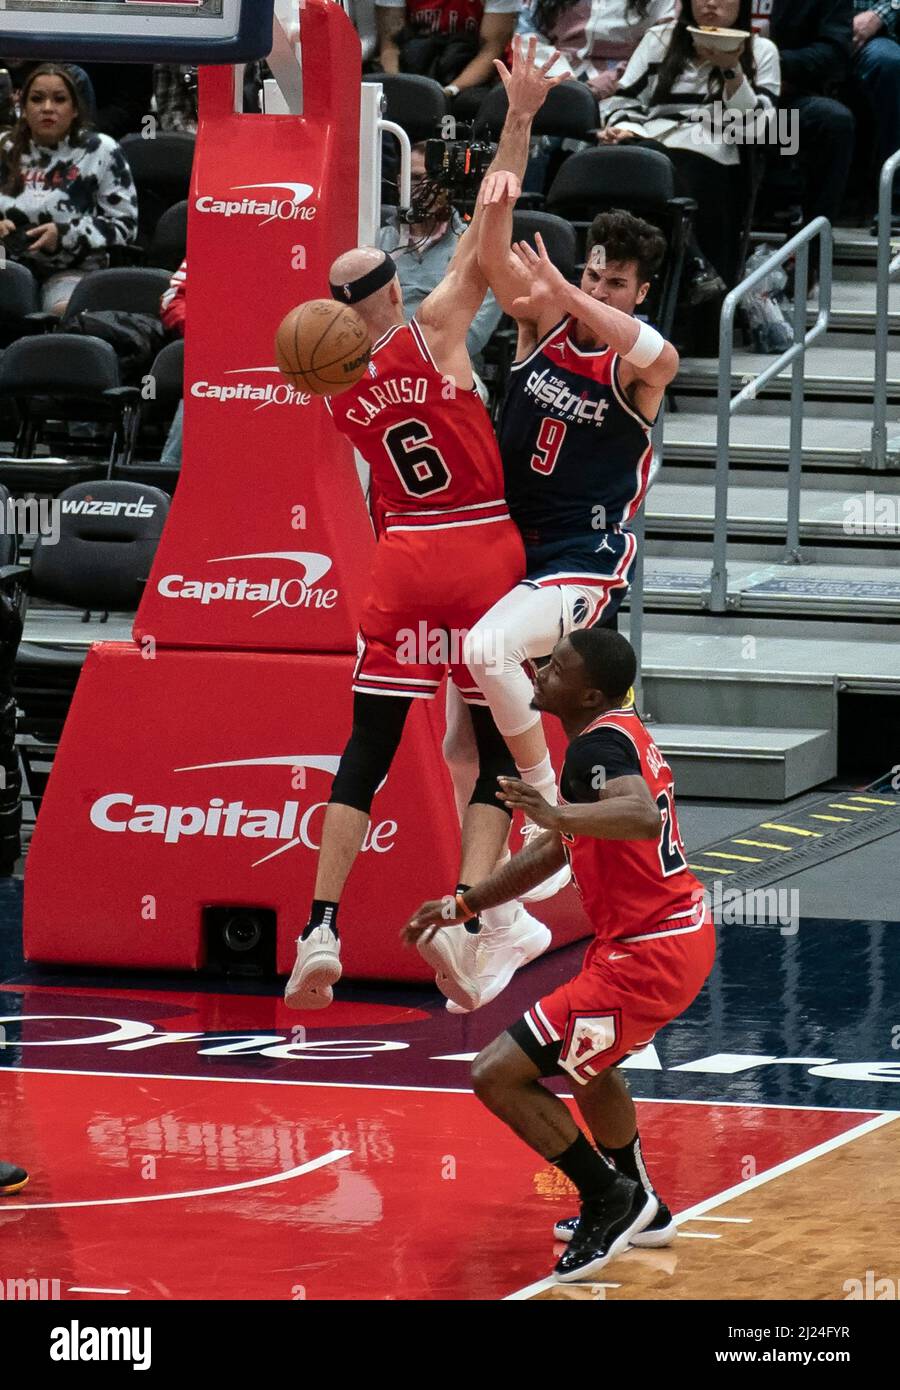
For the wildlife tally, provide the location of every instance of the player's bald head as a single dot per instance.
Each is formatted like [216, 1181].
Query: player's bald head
[357, 265]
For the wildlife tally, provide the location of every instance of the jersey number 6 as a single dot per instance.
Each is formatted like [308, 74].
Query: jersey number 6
[420, 465]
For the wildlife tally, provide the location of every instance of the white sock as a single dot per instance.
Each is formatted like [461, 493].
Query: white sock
[542, 778]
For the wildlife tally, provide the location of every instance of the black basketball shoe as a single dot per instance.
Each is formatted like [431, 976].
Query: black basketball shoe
[12, 1179]
[661, 1231]
[605, 1228]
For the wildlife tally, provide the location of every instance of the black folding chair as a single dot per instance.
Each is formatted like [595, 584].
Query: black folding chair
[169, 245]
[642, 182]
[161, 169]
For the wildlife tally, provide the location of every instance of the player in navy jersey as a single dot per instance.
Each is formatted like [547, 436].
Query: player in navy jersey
[574, 436]
[653, 949]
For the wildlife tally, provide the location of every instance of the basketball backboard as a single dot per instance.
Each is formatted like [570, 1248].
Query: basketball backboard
[177, 31]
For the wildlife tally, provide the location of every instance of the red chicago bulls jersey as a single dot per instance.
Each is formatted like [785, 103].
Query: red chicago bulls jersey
[430, 447]
[637, 889]
[445, 16]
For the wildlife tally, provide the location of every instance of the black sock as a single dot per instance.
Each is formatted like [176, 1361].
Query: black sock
[321, 914]
[474, 923]
[630, 1161]
[583, 1166]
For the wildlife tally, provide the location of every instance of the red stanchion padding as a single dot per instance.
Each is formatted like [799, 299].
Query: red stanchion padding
[211, 790]
[268, 544]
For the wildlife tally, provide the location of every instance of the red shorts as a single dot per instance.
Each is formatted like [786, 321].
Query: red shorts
[624, 994]
[430, 585]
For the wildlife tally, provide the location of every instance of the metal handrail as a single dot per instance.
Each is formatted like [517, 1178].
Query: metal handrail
[886, 268]
[728, 405]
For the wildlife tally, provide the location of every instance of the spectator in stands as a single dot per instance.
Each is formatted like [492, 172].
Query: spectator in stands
[453, 41]
[172, 311]
[876, 69]
[66, 193]
[814, 39]
[175, 97]
[670, 81]
[596, 38]
[116, 97]
[422, 263]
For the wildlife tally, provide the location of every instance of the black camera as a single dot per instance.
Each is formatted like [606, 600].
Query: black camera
[453, 173]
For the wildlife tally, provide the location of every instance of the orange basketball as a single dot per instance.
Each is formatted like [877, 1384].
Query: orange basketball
[322, 346]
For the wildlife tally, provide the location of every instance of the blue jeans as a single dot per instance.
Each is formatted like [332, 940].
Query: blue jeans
[877, 70]
[172, 451]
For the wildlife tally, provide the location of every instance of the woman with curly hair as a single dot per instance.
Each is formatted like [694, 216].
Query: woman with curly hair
[66, 192]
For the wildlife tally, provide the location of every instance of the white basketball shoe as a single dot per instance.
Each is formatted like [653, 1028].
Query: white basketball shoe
[316, 970]
[500, 952]
[550, 885]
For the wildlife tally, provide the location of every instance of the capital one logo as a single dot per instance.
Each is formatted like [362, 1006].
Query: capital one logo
[278, 392]
[291, 823]
[296, 591]
[275, 208]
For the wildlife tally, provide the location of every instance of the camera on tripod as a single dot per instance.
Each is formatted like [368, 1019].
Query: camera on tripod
[453, 173]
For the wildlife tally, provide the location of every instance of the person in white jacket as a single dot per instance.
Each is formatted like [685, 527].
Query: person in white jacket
[680, 95]
[595, 38]
[66, 193]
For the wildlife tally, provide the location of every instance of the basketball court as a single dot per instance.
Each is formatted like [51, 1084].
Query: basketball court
[188, 1137]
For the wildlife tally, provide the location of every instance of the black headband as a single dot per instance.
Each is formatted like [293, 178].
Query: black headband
[367, 284]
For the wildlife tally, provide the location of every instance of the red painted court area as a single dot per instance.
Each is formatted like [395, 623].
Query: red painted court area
[421, 1194]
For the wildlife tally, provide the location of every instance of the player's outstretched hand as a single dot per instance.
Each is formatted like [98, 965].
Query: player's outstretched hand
[527, 84]
[548, 285]
[500, 187]
[520, 796]
[428, 919]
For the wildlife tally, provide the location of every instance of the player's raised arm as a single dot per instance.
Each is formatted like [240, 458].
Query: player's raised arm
[447, 313]
[527, 85]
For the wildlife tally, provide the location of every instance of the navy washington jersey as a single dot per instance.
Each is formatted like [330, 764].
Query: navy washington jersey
[571, 442]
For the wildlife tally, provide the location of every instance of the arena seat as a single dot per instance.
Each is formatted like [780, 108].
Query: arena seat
[569, 112]
[642, 182]
[99, 564]
[161, 169]
[169, 245]
[167, 374]
[135, 290]
[18, 299]
[11, 618]
[418, 104]
[69, 377]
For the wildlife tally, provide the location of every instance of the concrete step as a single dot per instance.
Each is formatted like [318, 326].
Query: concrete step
[783, 651]
[682, 581]
[737, 764]
[842, 373]
[757, 506]
[853, 306]
[690, 435]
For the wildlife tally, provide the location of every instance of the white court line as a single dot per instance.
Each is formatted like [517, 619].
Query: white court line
[310, 1167]
[75, 1289]
[884, 1118]
[699, 1235]
[425, 1090]
[734, 1220]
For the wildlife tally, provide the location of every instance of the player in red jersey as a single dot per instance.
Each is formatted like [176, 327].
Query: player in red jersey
[653, 949]
[447, 550]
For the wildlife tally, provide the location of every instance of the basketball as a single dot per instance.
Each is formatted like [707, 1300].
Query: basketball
[322, 347]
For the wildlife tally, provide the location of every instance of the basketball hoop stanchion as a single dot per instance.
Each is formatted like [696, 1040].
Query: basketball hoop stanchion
[196, 762]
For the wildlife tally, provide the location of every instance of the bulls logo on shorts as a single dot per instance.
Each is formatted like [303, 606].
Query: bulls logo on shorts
[587, 1038]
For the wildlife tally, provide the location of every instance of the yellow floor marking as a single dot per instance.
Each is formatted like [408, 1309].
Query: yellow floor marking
[710, 869]
[789, 829]
[763, 844]
[720, 854]
[844, 820]
[860, 810]
[877, 801]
